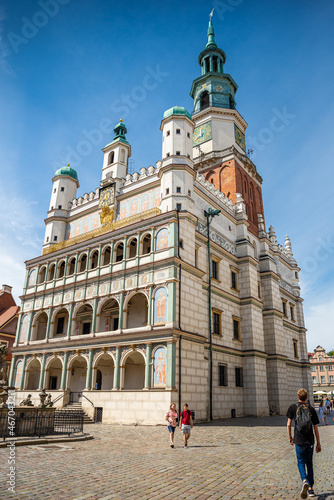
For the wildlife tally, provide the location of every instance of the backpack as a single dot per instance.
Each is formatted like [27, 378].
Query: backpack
[303, 419]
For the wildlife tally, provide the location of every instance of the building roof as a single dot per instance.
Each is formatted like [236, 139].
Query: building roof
[67, 171]
[8, 307]
[177, 110]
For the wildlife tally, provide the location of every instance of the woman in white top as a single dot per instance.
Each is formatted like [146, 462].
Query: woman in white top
[322, 413]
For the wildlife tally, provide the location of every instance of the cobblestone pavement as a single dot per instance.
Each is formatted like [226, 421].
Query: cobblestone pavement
[230, 459]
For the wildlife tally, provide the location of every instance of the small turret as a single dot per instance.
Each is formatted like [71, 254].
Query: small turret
[116, 155]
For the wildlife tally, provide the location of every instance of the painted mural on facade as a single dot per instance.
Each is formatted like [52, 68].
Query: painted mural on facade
[162, 239]
[137, 204]
[18, 374]
[24, 329]
[32, 278]
[160, 306]
[82, 225]
[160, 367]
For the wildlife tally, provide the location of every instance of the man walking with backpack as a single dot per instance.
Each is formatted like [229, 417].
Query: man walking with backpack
[306, 419]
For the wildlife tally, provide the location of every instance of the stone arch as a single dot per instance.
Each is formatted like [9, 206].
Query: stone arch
[76, 373]
[111, 157]
[83, 319]
[51, 272]
[119, 251]
[104, 363]
[136, 307]
[71, 266]
[39, 326]
[204, 100]
[41, 275]
[108, 315]
[133, 370]
[106, 255]
[94, 258]
[82, 262]
[146, 244]
[132, 247]
[53, 373]
[60, 322]
[33, 373]
[61, 269]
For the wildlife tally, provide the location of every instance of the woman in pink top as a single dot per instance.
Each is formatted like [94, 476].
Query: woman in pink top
[171, 417]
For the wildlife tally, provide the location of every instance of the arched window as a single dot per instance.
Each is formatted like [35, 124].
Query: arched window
[71, 266]
[61, 322]
[205, 100]
[133, 248]
[83, 320]
[119, 252]
[109, 316]
[51, 273]
[83, 263]
[137, 311]
[106, 256]
[61, 269]
[134, 371]
[95, 258]
[39, 331]
[214, 63]
[207, 65]
[41, 275]
[147, 244]
[122, 155]
[111, 158]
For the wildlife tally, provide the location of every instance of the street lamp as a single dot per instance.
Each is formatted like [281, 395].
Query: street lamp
[210, 214]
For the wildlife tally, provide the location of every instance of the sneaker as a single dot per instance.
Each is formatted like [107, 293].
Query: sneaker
[185, 446]
[172, 446]
[311, 492]
[304, 489]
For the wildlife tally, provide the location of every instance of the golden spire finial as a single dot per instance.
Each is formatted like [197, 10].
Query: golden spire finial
[121, 120]
[68, 165]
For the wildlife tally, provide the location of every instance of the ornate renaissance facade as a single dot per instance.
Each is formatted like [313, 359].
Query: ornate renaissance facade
[119, 309]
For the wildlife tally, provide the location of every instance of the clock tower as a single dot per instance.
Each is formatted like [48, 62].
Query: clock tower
[219, 147]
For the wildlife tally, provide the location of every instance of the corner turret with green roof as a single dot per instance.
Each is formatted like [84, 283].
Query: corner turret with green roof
[178, 111]
[213, 87]
[67, 171]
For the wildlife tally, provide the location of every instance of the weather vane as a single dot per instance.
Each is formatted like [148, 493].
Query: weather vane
[211, 13]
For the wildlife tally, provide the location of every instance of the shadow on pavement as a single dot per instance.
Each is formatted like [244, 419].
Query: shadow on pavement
[274, 421]
[323, 496]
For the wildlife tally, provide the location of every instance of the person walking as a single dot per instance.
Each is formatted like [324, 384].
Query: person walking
[186, 424]
[328, 406]
[171, 417]
[306, 421]
[322, 412]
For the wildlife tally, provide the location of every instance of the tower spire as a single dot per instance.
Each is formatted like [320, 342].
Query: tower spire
[211, 33]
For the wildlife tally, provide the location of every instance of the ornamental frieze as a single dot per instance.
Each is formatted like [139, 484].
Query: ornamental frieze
[216, 238]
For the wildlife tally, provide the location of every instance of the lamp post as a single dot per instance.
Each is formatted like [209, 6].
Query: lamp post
[210, 214]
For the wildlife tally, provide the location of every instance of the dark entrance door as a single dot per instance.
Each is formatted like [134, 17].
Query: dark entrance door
[53, 383]
[98, 384]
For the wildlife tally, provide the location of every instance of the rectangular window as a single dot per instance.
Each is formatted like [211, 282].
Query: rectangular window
[330, 368]
[292, 312]
[214, 267]
[259, 290]
[331, 379]
[62, 189]
[313, 369]
[323, 380]
[86, 328]
[55, 238]
[284, 308]
[178, 131]
[60, 325]
[168, 154]
[216, 323]
[168, 132]
[188, 135]
[236, 329]
[189, 192]
[181, 243]
[178, 153]
[314, 379]
[321, 368]
[238, 377]
[115, 324]
[178, 207]
[59, 207]
[167, 190]
[295, 348]
[222, 375]
[178, 190]
[234, 282]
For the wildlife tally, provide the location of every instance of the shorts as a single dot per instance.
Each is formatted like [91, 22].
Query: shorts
[186, 429]
[171, 429]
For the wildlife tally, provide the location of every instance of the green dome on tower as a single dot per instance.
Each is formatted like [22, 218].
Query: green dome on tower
[67, 171]
[177, 110]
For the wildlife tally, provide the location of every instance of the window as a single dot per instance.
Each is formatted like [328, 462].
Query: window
[168, 132]
[196, 256]
[234, 280]
[284, 308]
[295, 348]
[168, 154]
[178, 190]
[178, 207]
[188, 135]
[62, 189]
[222, 375]
[331, 379]
[181, 243]
[323, 380]
[214, 266]
[321, 368]
[296, 275]
[111, 158]
[238, 377]
[320, 358]
[59, 207]
[236, 329]
[330, 368]
[167, 190]
[86, 328]
[55, 238]
[60, 325]
[189, 192]
[313, 369]
[292, 312]
[54, 190]
[314, 380]
[216, 322]
[178, 153]
[47, 239]
[259, 290]
[205, 100]
[178, 131]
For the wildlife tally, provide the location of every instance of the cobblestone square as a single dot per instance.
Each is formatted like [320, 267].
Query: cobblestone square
[229, 459]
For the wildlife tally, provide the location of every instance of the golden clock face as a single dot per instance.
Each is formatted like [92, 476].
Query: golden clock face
[107, 196]
[239, 137]
[202, 133]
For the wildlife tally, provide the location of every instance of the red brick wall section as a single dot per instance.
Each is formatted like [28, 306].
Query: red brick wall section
[230, 179]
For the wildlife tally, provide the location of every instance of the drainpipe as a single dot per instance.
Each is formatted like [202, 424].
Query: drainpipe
[210, 214]
[180, 271]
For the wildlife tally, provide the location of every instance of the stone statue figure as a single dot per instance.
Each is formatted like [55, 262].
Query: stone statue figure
[3, 365]
[27, 402]
[48, 401]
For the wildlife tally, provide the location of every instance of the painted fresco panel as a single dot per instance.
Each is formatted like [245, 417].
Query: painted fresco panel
[18, 373]
[160, 367]
[160, 306]
[24, 329]
[139, 203]
[32, 278]
[162, 239]
[82, 225]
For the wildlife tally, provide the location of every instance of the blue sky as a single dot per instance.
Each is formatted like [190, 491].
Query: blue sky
[70, 68]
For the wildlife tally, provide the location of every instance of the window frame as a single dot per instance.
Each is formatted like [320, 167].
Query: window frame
[222, 375]
[239, 376]
[216, 313]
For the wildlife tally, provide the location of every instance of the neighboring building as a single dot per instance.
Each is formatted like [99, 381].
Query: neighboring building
[322, 370]
[9, 312]
[116, 308]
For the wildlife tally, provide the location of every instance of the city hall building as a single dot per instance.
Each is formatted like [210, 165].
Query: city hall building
[165, 285]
